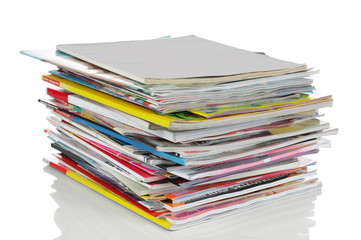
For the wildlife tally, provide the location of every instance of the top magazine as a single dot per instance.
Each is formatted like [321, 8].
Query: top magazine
[180, 60]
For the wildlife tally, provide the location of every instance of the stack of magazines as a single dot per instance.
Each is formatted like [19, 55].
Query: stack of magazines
[183, 130]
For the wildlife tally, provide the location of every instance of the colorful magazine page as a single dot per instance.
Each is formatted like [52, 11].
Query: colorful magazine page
[108, 100]
[281, 166]
[259, 148]
[170, 157]
[93, 141]
[153, 170]
[119, 161]
[252, 150]
[206, 100]
[218, 111]
[244, 164]
[293, 163]
[183, 206]
[123, 147]
[195, 193]
[106, 116]
[141, 188]
[110, 133]
[116, 92]
[179, 121]
[237, 203]
[298, 128]
[175, 103]
[122, 128]
[79, 149]
[138, 188]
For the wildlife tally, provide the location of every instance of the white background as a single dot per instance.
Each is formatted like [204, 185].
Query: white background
[325, 34]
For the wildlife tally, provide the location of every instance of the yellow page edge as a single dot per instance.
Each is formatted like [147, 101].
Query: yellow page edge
[116, 199]
[130, 108]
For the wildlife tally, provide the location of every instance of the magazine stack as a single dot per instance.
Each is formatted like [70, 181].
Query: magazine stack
[183, 130]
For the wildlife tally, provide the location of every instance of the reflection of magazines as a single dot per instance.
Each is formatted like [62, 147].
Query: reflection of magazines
[104, 187]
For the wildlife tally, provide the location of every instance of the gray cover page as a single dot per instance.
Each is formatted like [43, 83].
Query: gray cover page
[178, 60]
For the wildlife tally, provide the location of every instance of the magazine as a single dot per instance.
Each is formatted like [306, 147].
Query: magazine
[196, 193]
[244, 202]
[246, 163]
[176, 121]
[109, 115]
[182, 206]
[298, 128]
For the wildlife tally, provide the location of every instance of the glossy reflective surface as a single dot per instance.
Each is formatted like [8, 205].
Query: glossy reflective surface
[84, 214]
